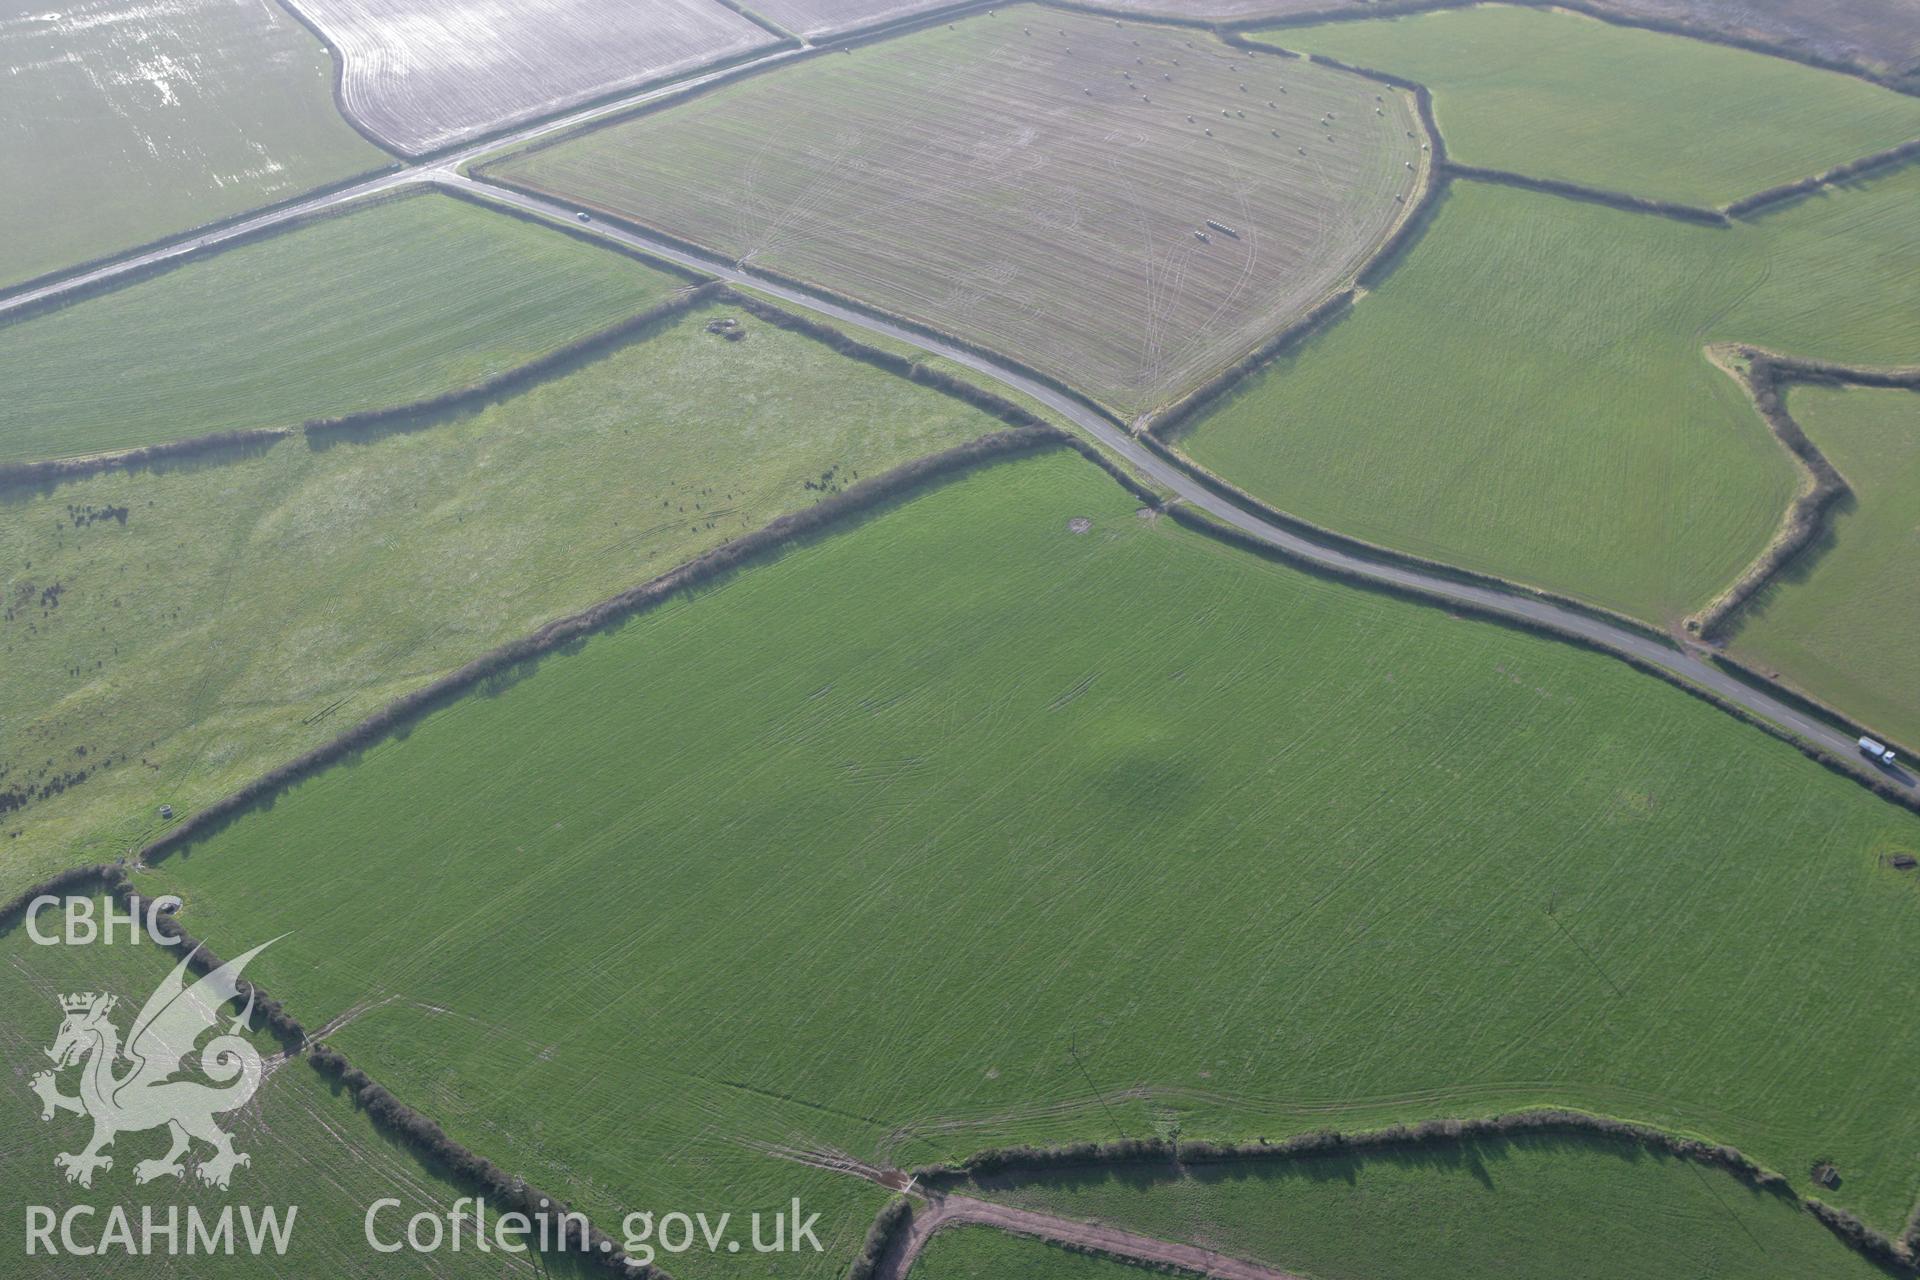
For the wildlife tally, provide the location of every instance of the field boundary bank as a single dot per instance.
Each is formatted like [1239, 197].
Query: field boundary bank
[1720, 216]
[1333, 308]
[1762, 201]
[863, 497]
[1895, 1256]
[55, 471]
[1766, 380]
[1836, 763]
[1663, 26]
[105, 260]
[1688, 213]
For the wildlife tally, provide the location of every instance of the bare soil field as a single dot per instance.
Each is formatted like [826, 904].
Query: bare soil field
[422, 74]
[1128, 209]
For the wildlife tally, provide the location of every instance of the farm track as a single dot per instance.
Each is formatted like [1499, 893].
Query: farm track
[945, 1211]
[1636, 647]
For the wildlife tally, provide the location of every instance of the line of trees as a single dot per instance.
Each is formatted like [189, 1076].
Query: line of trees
[1839, 173]
[59, 470]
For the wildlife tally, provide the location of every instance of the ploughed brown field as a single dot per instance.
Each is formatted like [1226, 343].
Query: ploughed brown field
[1129, 209]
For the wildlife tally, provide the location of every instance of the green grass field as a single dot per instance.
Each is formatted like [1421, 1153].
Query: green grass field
[982, 1253]
[1527, 394]
[1529, 1207]
[310, 1149]
[248, 608]
[127, 122]
[1559, 95]
[1033, 181]
[1840, 621]
[393, 302]
[846, 852]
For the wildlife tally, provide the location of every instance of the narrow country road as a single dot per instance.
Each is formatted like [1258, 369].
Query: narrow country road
[444, 170]
[1619, 640]
[952, 1211]
[406, 175]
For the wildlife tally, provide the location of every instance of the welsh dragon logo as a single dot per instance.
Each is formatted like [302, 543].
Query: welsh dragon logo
[146, 1094]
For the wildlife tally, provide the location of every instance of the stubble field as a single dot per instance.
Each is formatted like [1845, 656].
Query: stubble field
[1272, 853]
[1036, 182]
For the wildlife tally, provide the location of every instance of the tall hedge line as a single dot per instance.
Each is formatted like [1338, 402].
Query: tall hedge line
[502, 383]
[1766, 381]
[1204, 397]
[507, 1192]
[101, 876]
[54, 471]
[883, 1238]
[1839, 173]
[1593, 195]
[864, 494]
[59, 470]
[1030, 1161]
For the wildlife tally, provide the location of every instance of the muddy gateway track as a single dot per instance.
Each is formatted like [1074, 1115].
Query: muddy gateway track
[953, 1211]
[935, 1211]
